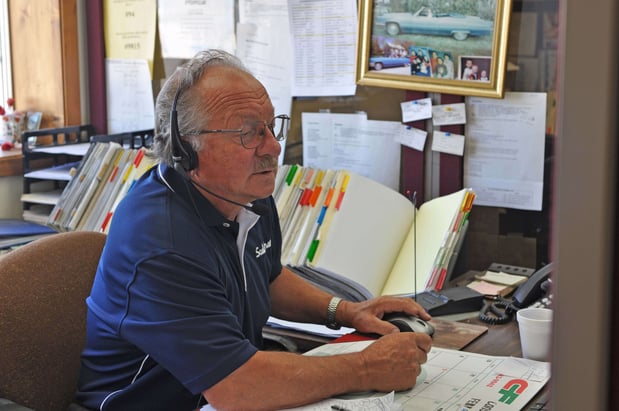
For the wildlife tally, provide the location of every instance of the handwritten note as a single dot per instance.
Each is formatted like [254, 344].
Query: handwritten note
[446, 114]
[448, 143]
[416, 110]
[412, 137]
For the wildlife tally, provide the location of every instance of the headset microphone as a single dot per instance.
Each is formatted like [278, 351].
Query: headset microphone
[259, 209]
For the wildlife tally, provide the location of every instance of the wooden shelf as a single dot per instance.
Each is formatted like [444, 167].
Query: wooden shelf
[11, 162]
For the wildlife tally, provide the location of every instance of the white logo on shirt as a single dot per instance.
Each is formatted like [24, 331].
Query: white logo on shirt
[263, 249]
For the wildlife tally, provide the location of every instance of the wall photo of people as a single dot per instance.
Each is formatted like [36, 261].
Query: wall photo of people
[431, 63]
[474, 68]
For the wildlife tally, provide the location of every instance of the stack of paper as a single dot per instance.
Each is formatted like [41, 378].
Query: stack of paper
[104, 176]
[496, 283]
[356, 237]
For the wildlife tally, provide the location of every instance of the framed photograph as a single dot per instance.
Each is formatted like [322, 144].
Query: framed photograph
[447, 47]
[33, 120]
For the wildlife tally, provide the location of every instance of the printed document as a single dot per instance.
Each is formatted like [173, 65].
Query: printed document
[324, 37]
[266, 52]
[187, 27]
[129, 29]
[354, 143]
[504, 156]
[129, 96]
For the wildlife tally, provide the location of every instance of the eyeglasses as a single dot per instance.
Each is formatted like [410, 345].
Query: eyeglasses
[252, 134]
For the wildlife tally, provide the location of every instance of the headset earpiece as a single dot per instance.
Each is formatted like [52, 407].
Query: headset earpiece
[189, 159]
[183, 154]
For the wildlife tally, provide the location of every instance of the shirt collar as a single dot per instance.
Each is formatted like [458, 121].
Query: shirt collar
[180, 185]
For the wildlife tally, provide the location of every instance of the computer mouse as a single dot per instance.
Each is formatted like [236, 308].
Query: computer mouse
[409, 323]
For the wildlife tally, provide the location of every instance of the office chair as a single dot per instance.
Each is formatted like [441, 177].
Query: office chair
[43, 287]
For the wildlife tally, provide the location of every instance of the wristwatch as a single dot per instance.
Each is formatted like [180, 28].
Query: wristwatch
[331, 308]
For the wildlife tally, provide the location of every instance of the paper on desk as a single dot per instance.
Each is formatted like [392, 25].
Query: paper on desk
[488, 288]
[456, 380]
[502, 278]
[315, 329]
[383, 402]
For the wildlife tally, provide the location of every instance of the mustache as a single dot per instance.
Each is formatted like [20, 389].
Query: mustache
[266, 163]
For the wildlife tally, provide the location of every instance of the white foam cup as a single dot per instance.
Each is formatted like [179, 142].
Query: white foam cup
[535, 326]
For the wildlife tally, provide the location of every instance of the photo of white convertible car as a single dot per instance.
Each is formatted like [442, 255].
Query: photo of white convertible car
[427, 22]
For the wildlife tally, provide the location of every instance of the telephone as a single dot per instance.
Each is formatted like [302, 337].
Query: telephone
[531, 292]
[533, 289]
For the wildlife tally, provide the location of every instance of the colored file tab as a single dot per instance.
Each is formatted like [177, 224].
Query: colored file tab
[312, 250]
[340, 197]
[291, 174]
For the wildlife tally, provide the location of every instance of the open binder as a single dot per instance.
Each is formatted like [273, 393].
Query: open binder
[355, 237]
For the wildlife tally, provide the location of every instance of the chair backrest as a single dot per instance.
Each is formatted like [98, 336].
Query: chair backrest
[43, 287]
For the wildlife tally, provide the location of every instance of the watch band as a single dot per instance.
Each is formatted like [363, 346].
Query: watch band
[331, 309]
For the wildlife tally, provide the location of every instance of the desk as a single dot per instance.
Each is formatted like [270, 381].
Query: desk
[499, 340]
[11, 162]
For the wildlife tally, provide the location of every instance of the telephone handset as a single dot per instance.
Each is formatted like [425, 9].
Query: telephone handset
[501, 310]
[533, 289]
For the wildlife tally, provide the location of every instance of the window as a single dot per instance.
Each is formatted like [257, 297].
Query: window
[6, 86]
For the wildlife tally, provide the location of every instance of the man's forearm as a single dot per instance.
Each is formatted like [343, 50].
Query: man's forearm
[275, 380]
[294, 299]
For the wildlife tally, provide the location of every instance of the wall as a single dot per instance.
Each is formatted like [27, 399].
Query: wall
[10, 191]
[585, 213]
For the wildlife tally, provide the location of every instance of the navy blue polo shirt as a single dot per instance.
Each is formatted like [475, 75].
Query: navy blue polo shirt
[173, 308]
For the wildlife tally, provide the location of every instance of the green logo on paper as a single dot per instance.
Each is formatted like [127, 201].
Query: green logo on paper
[511, 390]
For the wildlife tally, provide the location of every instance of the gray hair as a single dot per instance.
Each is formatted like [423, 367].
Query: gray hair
[192, 114]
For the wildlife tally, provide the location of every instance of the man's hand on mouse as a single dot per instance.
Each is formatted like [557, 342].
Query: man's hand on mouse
[366, 316]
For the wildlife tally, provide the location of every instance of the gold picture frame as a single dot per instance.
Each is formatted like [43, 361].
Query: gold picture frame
[388, 37]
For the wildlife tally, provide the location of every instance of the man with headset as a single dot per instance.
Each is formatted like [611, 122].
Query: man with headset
[191, 271]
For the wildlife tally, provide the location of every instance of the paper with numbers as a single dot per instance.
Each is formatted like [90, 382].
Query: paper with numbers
[454, 380]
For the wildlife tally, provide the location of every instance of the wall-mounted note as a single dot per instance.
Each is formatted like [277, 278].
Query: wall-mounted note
[446, 114]
[448, 143]
[412, 137]
[416, 110]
